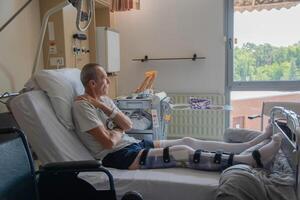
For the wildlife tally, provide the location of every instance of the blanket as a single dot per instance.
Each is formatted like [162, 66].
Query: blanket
[242, 182]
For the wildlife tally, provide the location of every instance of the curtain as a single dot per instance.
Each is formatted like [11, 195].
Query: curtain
[124, 5]
[251, 5]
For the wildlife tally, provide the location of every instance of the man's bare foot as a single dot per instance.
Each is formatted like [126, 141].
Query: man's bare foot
[269, 151]
[269, 130]
[263, 155]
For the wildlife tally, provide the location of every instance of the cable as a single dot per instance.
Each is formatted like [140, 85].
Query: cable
[4, 95]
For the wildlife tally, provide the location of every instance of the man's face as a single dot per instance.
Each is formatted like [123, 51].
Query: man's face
[102, 82]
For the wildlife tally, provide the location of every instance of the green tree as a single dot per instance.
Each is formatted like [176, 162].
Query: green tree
[266, 62]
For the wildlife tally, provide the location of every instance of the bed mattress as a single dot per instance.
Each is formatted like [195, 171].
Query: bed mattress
[160, 184]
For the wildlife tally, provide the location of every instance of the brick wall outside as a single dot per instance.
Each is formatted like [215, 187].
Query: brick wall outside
[252, 106]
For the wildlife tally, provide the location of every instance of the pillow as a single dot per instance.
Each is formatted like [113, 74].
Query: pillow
[72, 75]
[237, 135]
[62, 86]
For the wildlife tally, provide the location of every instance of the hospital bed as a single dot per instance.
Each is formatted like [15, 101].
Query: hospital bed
[43, 113]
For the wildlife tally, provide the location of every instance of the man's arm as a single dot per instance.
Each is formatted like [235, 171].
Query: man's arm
[106, 138]
[122, 121]
[120, 118]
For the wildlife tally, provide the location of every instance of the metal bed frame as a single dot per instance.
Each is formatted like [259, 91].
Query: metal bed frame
[291, 139]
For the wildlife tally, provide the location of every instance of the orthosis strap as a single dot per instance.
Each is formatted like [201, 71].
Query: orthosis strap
[225, 163]
[256, 156]
[144, 156]
[230, 159]
[197, 156]
[166, 155]
[218, 157]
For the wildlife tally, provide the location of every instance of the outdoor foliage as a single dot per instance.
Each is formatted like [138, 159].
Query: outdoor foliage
[266, 62]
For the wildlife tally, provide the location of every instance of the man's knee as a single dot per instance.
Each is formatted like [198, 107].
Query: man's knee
[181, 152]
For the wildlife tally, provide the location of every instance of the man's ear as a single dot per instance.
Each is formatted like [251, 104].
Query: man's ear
[92, 83]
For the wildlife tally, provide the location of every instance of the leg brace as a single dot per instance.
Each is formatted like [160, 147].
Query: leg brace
[209, 162]
[199, 160]
[152, 162]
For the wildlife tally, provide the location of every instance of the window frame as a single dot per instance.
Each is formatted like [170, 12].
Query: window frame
[232, 85]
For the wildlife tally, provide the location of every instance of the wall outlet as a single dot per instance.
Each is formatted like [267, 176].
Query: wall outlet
[57, 61]
[52, 49]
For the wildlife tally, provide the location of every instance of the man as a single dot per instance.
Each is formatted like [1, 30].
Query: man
[101, 125]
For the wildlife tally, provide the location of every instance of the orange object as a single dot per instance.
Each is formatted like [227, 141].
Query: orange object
[150, 76]
[168, 118]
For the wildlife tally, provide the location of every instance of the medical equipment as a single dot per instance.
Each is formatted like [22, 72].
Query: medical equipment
[79, 36]
[179, 157]
[81, 17]
[150, 112]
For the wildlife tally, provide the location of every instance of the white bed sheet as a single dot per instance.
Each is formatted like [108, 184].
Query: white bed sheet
[160, 184]
[53, 143]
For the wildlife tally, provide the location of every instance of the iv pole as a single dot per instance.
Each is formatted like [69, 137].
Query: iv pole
[81, 16]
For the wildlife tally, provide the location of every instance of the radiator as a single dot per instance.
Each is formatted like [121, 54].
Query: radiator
[202, 124]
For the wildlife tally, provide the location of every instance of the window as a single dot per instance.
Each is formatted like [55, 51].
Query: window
[267, 45]
[263, 54]
[265, 51]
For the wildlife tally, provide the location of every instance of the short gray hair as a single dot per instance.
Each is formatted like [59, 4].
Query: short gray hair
[88, 73]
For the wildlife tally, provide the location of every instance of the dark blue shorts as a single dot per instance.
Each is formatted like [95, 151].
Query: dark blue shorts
[123, 158]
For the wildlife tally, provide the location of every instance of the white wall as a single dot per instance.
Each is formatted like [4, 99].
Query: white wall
[18, 43]
[174, 28]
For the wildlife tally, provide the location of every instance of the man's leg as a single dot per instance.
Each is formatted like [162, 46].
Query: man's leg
[185, 156]
[213, 146]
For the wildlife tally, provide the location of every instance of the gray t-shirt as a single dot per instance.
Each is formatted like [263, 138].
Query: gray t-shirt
[87, 117]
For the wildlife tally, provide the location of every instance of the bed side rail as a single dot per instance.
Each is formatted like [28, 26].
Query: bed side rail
[291, 140]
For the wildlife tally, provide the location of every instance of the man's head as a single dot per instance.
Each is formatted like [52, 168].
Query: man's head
[94, 79]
